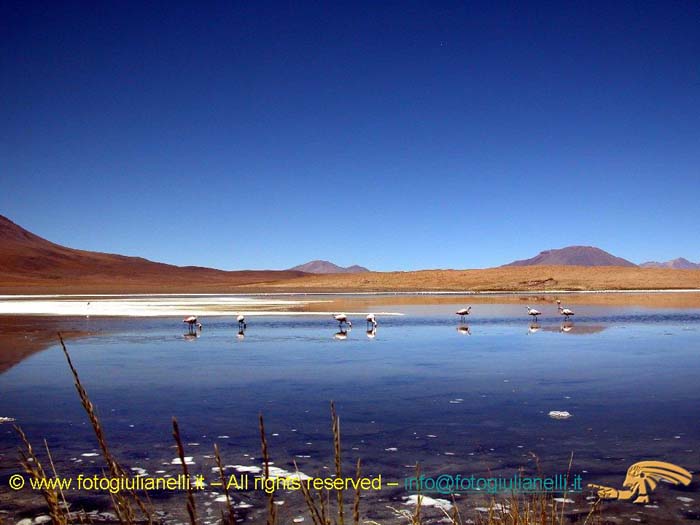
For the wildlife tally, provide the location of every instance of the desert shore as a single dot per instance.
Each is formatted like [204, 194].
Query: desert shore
[537, 279]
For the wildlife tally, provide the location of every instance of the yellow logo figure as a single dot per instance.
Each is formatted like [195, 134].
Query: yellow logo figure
[642, 479]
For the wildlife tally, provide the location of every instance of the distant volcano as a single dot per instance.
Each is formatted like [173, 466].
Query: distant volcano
[574, 256]
[675, 264]
[327, 267]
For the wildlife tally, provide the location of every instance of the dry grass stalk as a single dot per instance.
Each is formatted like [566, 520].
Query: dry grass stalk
[55, 475]
[317, 515]
[416, 518]
[271, 508]
[335, 421]
[32, 466]
[358, 490]
[191, 508]
[230, 519]
[122, 506]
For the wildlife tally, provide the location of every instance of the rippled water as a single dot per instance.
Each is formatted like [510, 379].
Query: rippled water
[419, 391]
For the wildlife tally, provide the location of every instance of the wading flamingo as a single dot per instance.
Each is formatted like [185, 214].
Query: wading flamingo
[241, 322]
[564, 311]
[462, 313]
[342, 319]
[371, 320]
[534, 313]
[192, 323]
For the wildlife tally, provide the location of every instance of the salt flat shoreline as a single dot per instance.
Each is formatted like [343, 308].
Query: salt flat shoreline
[162, 306]
[258, 304]
[360, 293]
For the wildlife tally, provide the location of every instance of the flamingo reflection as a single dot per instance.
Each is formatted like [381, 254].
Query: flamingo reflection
[463, 329]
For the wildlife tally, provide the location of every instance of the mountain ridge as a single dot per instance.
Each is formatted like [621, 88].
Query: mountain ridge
[319, 266]
[574, 256]
[32, 260]
[680, 263]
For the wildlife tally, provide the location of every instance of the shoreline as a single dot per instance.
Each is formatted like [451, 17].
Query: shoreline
[296, 303]
[388, 293]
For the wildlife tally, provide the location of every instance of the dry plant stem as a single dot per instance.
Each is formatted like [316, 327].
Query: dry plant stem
[335, 420]
[356, 503]
[231, 520]
[325, 505]
[191, 509]
[416, 518]
[122, 506]
[271, 510]
[32, 466]
[55, 475]
[316, 515]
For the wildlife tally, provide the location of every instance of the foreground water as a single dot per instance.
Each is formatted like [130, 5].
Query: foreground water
[422, 389]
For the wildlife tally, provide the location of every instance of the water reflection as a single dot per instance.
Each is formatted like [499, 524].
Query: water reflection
[372, 332]
[463, 329]
[534, 328]
[341, 335]
[566, 326]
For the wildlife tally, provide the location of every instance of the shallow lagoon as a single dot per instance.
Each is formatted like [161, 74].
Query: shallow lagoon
[419, 391]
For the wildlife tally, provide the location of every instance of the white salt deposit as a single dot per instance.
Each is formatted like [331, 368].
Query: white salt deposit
[157, 305]
[427, 501]
[559, 414]
[188, 461]
[244, 468]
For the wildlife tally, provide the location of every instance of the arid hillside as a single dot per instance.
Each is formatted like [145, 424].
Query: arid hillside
[512, 278]
[31, 264]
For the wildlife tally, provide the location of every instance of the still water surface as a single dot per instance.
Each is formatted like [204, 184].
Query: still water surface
[420, 390]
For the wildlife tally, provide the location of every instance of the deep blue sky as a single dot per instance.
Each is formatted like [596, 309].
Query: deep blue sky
[397, 135]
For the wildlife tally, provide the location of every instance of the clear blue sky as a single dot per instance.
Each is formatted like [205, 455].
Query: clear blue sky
[396, 135]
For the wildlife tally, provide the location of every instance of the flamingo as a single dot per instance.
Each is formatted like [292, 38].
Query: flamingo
[462, 313]
[534, 313]
[372, 320]
[342, 319]
[566, 312]
[241, 322]
[192, 323]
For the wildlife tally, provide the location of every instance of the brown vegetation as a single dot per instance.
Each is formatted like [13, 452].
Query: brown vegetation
[527, 278]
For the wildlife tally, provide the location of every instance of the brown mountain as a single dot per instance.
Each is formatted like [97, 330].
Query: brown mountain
[327, 267]
[29, 262]
[675, 264]
[574, 256]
